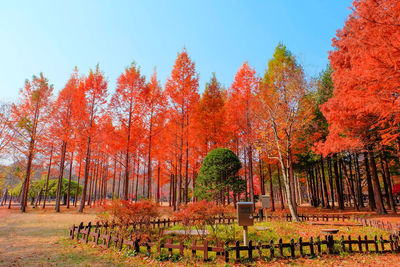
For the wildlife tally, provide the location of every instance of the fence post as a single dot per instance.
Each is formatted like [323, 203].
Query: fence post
[382, 244]
[181, 247]
[292, 248]
[330, 244]
[89, 227]
[226, 251]
[318, 245]
[301, 246]
[342, 243]
[237, 250]
[79, 230]
[250, 250]
[376, 244]
[205, 248]
[280, 247]
[72, 232]
[312, 246]
[271, 248]
[350, 244]
[366, 243]
[259, 248]
[193, 248]
[359, 244]
[396, 243]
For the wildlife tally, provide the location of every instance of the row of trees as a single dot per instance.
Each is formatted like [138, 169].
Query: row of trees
[325, 140]
[142, 137]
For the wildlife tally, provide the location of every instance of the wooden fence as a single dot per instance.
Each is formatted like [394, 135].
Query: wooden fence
[104, 237]
[386, 226]
[163, 223]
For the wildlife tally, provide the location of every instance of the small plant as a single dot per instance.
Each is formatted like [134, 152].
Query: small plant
[130, 217]
[200, 215]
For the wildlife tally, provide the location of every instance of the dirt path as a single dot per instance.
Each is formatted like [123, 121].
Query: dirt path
[36, 238]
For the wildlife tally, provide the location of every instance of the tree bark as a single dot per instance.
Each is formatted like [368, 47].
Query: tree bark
[338, 187]
[371, 198]
[271, 188]
[380, 209]
[324, 183]
[280, 188]
[60, 177]
[47, 178]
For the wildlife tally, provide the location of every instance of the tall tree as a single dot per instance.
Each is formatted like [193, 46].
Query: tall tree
[241, 101]
[181, 88]
[30, 116]
[94, 89]
[127, 104]
[211, 116]
[286, 109]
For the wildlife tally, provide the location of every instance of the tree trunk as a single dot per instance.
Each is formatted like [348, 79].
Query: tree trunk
[380, 209]
[280, 188]
[271, 188]
[358, 181]
[389, 184]
[371, 198]
[331, 181]
[47, 178]
[77, 186]
[251, 189]
[324, 183]
[338, 187]
[60, 177]
[149, 165]
[69, 179]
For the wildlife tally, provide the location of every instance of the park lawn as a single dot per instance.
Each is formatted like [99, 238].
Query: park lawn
[40, 238]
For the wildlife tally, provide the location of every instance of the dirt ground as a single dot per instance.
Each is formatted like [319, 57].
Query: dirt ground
[40, 238]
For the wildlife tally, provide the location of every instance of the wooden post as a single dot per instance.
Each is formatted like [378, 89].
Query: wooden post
[237, 251]
[350, 244]
[359, 244]
[292, 248]
[376, 244]
[280, 247]
[312, 247]
[226, 252]
[250, 250]
[205, 248]
[301, 246]
[271, 248]
[318, 245]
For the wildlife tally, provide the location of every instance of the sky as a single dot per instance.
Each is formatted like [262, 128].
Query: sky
[55, 36]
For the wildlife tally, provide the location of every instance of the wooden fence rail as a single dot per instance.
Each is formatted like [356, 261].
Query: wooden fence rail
[163, 223]
[386, 226]
[104, 237]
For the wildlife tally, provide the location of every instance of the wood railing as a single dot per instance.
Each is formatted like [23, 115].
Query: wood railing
[105, 237]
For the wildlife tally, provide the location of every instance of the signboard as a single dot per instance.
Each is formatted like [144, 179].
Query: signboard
[265, 201]
[245, 213]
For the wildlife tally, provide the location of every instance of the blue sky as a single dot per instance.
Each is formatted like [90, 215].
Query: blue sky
[54, 36]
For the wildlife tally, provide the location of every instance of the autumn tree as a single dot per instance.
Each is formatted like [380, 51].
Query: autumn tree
[241, 103]
[127, 104]
[211, 116]
[94, 90]
[29, 116]
[154, 118]
[286, 110]
[181, 89]
[62, 126]
[363, 114]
